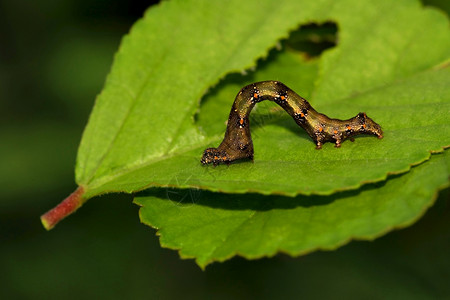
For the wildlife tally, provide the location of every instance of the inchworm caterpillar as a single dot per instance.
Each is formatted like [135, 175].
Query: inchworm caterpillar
[237, 143]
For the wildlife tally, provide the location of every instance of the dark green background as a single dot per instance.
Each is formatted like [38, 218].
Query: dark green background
[54, 57]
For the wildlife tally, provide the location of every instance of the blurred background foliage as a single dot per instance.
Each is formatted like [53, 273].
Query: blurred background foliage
[54, 57]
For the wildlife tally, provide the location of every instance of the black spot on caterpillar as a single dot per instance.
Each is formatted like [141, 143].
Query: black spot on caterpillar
[237, 143]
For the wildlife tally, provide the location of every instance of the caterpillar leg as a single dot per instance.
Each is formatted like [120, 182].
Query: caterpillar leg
[214, 156]
[319, 138]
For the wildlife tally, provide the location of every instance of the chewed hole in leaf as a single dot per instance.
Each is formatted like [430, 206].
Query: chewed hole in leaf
[312, 39]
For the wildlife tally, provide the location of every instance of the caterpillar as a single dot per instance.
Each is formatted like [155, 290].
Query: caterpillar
[237, 143]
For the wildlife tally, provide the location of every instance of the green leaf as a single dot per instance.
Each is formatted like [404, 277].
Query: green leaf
[391, 61]
[172, 56]
[214, 227]
[141, 132]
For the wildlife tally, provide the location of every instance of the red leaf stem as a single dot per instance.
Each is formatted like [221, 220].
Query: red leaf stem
[62, 210]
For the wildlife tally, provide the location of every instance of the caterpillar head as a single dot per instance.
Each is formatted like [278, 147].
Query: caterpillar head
[369, 126]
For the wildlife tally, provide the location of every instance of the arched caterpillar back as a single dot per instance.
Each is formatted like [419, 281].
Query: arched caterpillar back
[237, 143]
